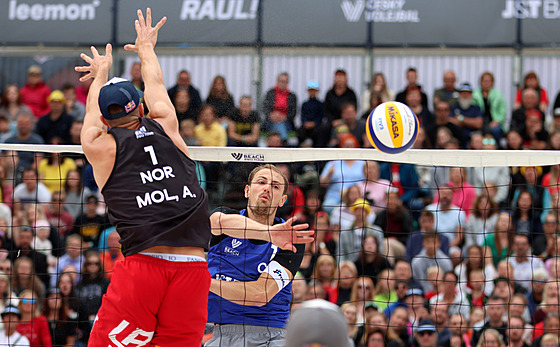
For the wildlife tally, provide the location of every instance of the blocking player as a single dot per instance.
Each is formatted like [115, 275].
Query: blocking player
[250, 292]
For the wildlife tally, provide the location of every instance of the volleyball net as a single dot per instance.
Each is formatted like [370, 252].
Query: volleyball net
[426, 234]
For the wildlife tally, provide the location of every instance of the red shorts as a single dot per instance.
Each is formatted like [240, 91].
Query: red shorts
[153, 302]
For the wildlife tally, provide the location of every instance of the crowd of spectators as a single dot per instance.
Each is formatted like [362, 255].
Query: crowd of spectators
[413, 255]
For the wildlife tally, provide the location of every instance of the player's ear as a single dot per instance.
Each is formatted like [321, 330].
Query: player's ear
[141, 109]
[247, 191]
[283, 200]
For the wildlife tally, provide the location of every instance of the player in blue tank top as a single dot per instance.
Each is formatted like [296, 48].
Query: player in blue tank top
[252, 261]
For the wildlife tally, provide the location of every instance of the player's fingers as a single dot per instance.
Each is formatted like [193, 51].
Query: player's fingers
[94, 51]
[301, 240]
[129, 47]
[161, 23]
[149, 17]
[300, 226]
[141, 18]
[108, 50]
[304, 233]
[86, 57]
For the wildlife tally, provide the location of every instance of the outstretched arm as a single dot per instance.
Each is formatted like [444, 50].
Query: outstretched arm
[284, 235]
[98, 69]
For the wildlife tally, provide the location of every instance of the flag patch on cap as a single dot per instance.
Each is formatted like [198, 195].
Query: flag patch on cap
[130, 106]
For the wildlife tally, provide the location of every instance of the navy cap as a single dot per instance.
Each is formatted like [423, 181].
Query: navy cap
[426, 325]
[118, 91]
[12, 310]
[465, 87]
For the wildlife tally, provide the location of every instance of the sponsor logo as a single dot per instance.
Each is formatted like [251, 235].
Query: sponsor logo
[379, 11]
[39, 11]
[137, 336]
[231, 251]
[142, 132]
[236, 243]
[248, 157]
[533, 9]
[219, 10]
[394, 125]
[278, 273]
[130, 106]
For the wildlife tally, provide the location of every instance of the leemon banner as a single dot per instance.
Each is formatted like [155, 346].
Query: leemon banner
[302, 22]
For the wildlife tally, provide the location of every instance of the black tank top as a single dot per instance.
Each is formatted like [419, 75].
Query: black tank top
[152, 194]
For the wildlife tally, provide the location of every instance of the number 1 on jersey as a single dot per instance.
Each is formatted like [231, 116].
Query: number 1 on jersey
[150, 149]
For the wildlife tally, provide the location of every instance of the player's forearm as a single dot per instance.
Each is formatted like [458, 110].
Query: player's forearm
[151, 69]
[250, 293]
[238, 226]
[91, 118]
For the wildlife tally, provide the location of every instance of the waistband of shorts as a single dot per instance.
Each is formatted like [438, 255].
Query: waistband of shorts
[180, 258]
[244, 328]
[162, 262]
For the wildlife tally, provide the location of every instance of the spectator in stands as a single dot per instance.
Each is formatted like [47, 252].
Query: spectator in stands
[76, 193]
[184, 81]
[25, 135]
[448, 92]
[550, 340]
[33, 325]
[299, 290]
[183, 107]
[414, 101]
[416, 305]
[440, 315]
[136, 76]
[377, 320]
[496, 176]
[339, 94]
[65, 285]
[57, 215]
[90, 224]
[529, 101]
[72, 257]
[514, 141]
[411, 82]
[340, 174]
[370, 261]
[399, 322]
[492, 104]
[244, 127]
[9, 335]
[449, 219]
[374, 188]
[385, 293]
[403, 271]
[463, 192]
[362, 293]
[458, 327]
[535, 135]
[414, 243]
[515, 332]
[210, 133]
[482, 220]
[401, 288]
[374, 101]
[532, 81]
[527, 221]
[430, 255]
[396, 222]
[12, 105]
[24, 277]
[455, 299]
[296, 199]
[426, 333]
[551, 326]
[41, 242]
[405, 178]
[90, 289]
[491, 337]
[476, 259]
[442, 111]
[355, 332]
[8, 297]
[35, 92]
[536, 295]
[326, 273]
[311, 116]
[523, 263]
[57, 123]
[280, 107]
[72, 106]
[37, 260]
[113, 254]
[495, 308]
[347, 276]
[53, 170]
[356, 127]
[465, 114]
[62, 330]
[221, 99]
[377, 86]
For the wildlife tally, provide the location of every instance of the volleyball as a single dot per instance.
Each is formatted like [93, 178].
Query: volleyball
[392, 127]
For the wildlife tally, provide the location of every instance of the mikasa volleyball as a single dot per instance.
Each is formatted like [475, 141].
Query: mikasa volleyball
[392, 127]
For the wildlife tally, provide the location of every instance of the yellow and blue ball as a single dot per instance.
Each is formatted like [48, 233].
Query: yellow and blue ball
[392, 127]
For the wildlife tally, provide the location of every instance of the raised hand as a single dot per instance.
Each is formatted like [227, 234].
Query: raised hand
[145, 33]
[97, 63]
[286, 235]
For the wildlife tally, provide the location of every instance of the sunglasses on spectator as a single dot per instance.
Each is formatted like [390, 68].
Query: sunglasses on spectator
[28, 301]
[488, 141]
[539, 281]
[423, 333]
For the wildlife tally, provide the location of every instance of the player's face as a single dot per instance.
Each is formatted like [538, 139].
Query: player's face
[265, 193]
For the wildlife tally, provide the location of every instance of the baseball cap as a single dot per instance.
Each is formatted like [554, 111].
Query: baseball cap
[313, 85]
[317, 322]
[371, 304]
[361, 203]
[34, 69]
[501, 279]
[426, 325]
[118, 91]
[11, 310]
[465, 87]
[56, 95]
[414, 291]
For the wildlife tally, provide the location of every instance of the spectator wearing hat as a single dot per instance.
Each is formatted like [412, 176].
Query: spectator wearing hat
[311, 116]
[35, 92]
[529, 101]
[430, 255]
[350, 241]
[465, 114]
[9, 335]
[426, 333]
[280, 106]
[57, 123]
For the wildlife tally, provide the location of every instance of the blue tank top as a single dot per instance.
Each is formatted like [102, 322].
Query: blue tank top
[234, 259]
